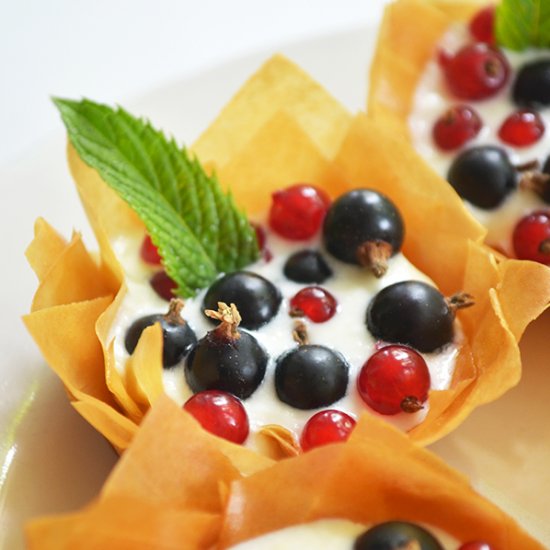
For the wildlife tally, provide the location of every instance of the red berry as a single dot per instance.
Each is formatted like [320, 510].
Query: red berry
[455, 127]
[163, 285]
[261, 238]
[220, 413]
[330, 426]
[476, 71]
[482, 25]
[315, 303]
[475, 545]
[149, 252]
[522, 128]
[298, 211]
[531, 237]
[394, 379]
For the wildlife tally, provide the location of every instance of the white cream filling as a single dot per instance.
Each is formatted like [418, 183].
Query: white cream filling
[353, 288]
[336, 534]
[432, 99]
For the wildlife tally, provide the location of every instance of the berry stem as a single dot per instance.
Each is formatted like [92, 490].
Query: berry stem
[229, 318]
[460, 300]
[411, 404]
[299, 333]
[535, 181]
[375, 255]
[527, 166]
[174, 312]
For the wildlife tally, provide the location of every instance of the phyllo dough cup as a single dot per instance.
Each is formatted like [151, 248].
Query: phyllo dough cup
[161, 496]
[282, 128]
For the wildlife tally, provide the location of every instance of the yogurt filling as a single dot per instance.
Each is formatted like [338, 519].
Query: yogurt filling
[346, 332]
[336, 534]
[432, 98]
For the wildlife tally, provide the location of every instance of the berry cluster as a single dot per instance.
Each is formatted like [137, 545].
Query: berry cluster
[362, 228]
[484, 175]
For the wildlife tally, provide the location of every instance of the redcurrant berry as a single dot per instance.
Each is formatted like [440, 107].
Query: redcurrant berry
[455, 127]
[476, 71]
[298, 211]
[220, 413]
[330, 426]
[475, 545]
[262, 238]
[394, 379]
[482, 25]
[149, 252]
[531, 237]
[315, 303]
[522, 128]
[163, 285]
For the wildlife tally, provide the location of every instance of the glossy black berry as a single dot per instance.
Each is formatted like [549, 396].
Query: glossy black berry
[411, 313]
[359, 218]
[177, 336]
[307, 266]
[311, 376]
[396, 535]
[256, 298]
[532, 85]
[483, 176]
[226, 358]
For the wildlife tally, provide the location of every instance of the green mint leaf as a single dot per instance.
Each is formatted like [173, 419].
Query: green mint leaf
[522, 24]
[196, 226]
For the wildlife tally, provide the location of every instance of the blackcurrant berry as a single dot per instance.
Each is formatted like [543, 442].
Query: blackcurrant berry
[532, 84]
[394, 379]
[311, 376]
[177, 336]
[226, 358]
[396, 535]
[476, 71]
[483, 176]
[220, 413]
[329, 426]
[297, 212]
[256, 298]
[414, 313]
[307, 266]
[363, 227]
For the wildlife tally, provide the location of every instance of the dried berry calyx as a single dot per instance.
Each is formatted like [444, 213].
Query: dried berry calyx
[375, 255]
[229, 318]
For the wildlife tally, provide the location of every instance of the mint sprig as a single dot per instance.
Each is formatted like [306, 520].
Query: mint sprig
[197, 227]
[522, 24]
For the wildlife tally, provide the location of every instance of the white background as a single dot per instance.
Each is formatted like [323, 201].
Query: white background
[109, 50]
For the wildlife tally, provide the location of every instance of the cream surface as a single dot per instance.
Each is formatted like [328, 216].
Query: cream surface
[335, 534]
[353, 288]
[432, 99]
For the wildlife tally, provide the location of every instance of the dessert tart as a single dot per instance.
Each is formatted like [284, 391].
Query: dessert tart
[269, 137]
[469, 92]
[158, 496]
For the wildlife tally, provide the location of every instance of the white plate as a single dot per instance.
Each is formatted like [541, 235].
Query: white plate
[52, 461]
